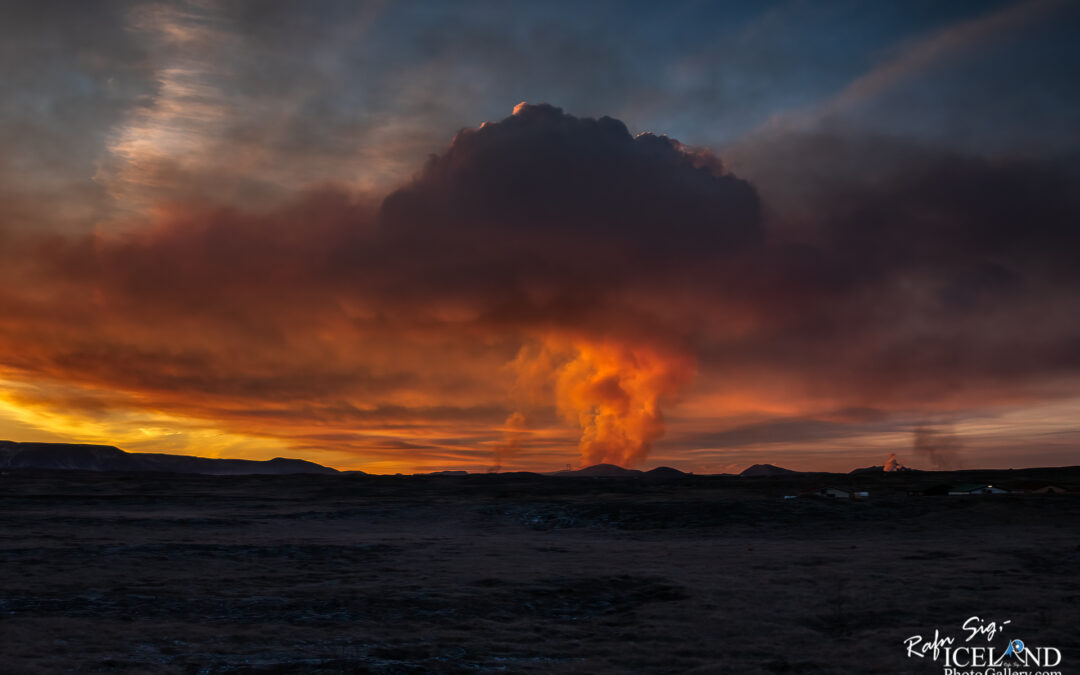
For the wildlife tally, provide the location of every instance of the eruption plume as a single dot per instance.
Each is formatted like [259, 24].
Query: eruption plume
[613, 391]
[939, 447]
[893, 464]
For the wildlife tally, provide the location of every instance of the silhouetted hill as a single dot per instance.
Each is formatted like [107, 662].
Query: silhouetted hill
[664, 472]
[867, 469]
[70, 456]
[758, 470]
[600, 471]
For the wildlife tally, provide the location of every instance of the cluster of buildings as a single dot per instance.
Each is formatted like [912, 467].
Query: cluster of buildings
[987, 489]
[831, 492]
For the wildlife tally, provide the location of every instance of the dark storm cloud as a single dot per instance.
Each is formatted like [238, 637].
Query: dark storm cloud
[329, 305]
[547, 197]
[107, 110]
[864, 272]
[917, 269]
[903, 271]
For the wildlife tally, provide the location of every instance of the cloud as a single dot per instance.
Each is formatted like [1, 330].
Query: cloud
[913, 273]
[783, 431]
[847, 272]
[569, 225]
[596, 197]
[539, 225]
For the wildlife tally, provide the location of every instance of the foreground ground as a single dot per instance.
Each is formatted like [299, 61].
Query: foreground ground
[354, 574]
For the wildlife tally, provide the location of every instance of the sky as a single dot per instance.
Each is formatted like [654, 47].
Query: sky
[416, 236]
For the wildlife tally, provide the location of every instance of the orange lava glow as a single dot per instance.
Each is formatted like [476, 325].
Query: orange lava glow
[611, 390]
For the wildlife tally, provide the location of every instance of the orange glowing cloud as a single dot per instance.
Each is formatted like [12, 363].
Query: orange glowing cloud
[547, 282]
[613, 391]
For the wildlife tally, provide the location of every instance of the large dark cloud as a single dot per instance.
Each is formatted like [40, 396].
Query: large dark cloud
[861, 272]
[540, 222]
[876, 256]
[917, 273]
[545, 217]
[544, 175]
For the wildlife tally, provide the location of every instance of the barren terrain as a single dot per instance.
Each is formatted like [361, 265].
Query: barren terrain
[518, 573]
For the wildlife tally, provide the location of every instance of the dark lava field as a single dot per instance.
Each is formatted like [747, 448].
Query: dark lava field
[521, 573]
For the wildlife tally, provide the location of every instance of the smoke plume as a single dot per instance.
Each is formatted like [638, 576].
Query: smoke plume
[515, 432]
[941, 449]
[613, 391]
[893, 464]
[853, 274]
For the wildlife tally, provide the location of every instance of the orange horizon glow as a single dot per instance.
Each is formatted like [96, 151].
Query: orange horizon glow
[539, 448]
[549, 290]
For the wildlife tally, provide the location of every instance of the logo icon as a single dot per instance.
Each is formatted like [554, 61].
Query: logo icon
[983, 659]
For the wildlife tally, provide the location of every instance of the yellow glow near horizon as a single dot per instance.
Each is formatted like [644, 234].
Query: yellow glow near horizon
[136, 431]
[23, 418]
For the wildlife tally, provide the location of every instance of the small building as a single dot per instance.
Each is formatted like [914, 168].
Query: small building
[964, 490]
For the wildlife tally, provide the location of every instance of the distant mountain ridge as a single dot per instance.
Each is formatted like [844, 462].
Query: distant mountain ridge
[758, 470]
[615, 471]
[599, 471]
[79, 457]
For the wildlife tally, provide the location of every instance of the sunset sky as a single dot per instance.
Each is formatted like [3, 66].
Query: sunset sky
[412, 236]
